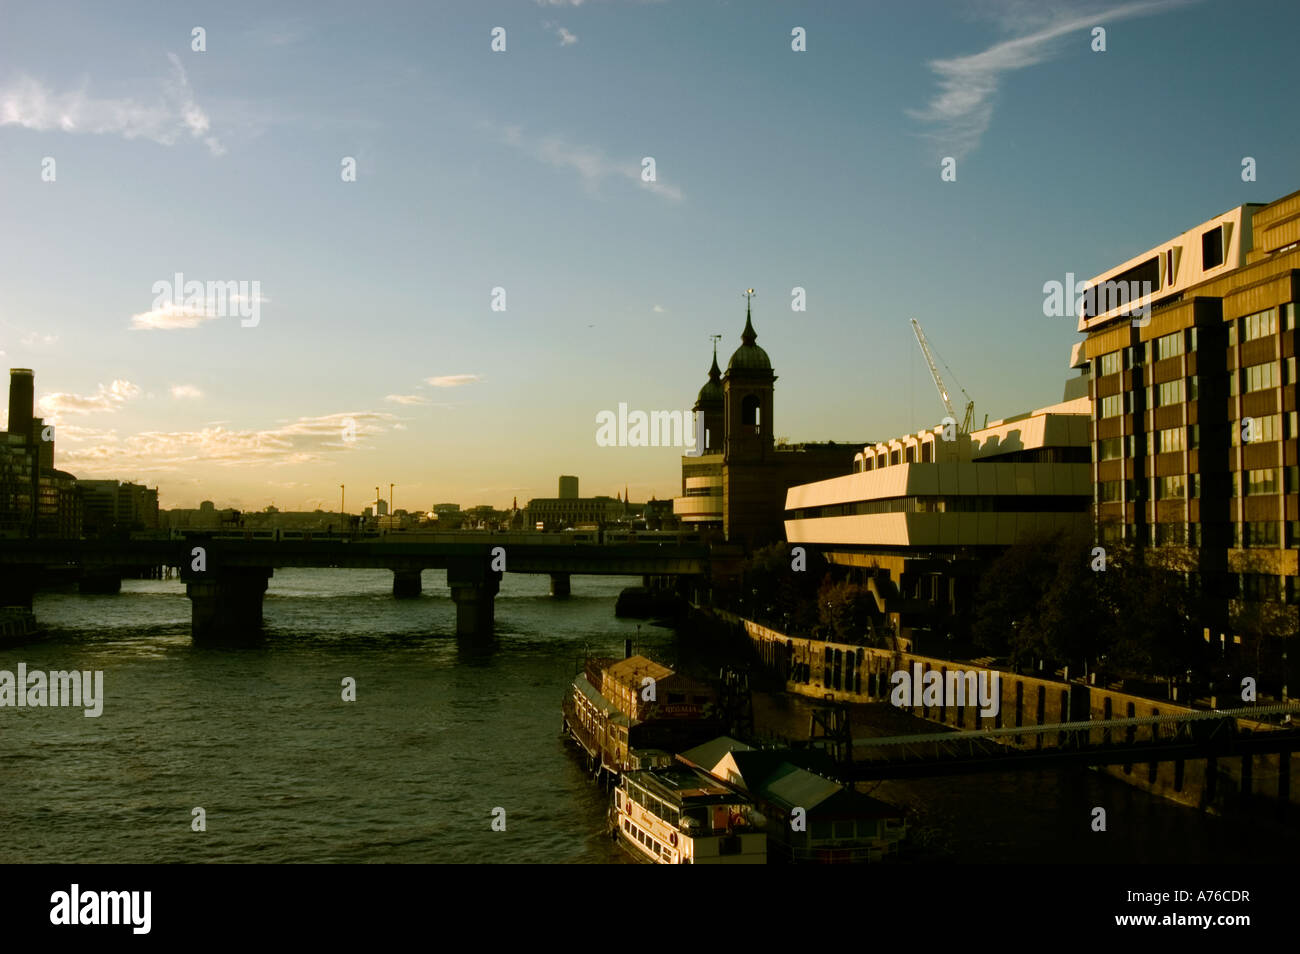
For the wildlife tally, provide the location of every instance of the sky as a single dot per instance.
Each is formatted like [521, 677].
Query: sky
[501, 268]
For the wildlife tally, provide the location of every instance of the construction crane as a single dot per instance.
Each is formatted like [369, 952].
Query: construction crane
[938, 381]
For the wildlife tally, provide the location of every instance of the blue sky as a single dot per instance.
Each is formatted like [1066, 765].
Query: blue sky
[521, 170]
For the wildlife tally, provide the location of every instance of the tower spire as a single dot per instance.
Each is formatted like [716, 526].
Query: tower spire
[748, 336]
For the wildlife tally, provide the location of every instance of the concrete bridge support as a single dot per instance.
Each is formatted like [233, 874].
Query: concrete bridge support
[475, 607]
[560, 584]
[406, 583]
[99, 581]
[473, 589]
[226, 606]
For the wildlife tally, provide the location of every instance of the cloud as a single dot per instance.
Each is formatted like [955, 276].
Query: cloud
[29, 103]
[658, 309]
[87, 451]
[453, 380]
[170, 317]
[106, 399]
[566, 38]
[34, 340]
[962, 108]
[407, 399]
[182, 391]
[589, 162]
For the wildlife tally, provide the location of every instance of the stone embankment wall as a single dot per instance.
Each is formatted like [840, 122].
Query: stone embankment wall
[861, 674]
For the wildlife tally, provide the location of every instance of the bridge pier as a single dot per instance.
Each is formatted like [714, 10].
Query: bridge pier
[99, 582]
[475, 607]
[406, 584]
[560, 585]
[473, 589]
[226, 606]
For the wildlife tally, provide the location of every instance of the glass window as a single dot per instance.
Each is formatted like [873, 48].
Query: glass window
[1259, 325]
[1169, 441]
[1261, 534]
[1170, 487]
[1171, 392]
[1110, 448]
[1262, 481]
[1110, 363]
[1261, 376]
[1112, 406]
[1169, 346]
[1109, 490]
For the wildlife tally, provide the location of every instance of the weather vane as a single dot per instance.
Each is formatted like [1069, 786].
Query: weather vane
[749, 293]
[715, 339]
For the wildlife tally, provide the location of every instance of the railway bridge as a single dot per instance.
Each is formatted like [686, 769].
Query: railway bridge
[226, 574]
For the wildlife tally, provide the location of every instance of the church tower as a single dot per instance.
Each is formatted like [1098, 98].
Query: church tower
[747, 389]
[710, 410]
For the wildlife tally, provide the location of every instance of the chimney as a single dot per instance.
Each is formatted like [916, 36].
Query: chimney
[21, 402]
[627, 649]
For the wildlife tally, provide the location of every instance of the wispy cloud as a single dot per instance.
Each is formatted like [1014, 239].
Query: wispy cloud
[170, 317]
[106, 399]
[185, 391]
[453, 380]
[34, 339]
[406, 399]
[29, 103]
[589, 162]
[962, 108]
[566, 38]
[658, 309]
[305, 440]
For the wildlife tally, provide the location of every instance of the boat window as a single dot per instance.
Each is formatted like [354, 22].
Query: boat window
[821, 831]
[844, 829]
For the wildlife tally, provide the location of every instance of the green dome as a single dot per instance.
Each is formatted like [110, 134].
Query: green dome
[749, 356]
[712, 392]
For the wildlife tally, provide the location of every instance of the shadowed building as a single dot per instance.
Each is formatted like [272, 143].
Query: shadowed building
[737, 484]
[27, 471]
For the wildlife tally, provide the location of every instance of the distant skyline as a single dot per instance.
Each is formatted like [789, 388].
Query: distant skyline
[358, 342]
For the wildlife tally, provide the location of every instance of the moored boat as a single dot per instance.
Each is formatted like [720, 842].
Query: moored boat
[679, 815]
[633, 713]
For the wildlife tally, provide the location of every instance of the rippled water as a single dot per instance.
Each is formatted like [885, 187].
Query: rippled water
[442, 733]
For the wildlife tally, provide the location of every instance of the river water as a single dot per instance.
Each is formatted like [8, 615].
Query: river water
[443, 734]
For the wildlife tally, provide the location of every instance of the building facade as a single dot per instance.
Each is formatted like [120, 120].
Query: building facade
[919, 516]
[1194, 423]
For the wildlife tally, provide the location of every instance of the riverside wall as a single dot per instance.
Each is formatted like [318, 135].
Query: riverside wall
[860, 674]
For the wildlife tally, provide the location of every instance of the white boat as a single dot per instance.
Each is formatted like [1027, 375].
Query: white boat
[679, 815]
